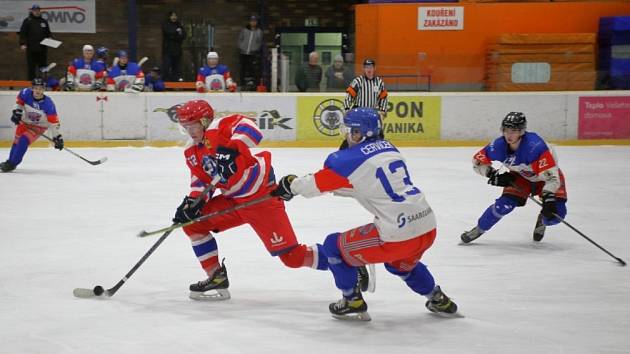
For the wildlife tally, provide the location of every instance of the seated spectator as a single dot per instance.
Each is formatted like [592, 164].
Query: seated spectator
[214, 77]
[86, 73]
[338, 75]
[153, 81]
[126, 75]
[309, 76]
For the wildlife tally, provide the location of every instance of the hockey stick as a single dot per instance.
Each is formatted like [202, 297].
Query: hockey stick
[144, 233]
[47, 69]
[99, 290]
[142, 61]
[94, 163]
[621, 261]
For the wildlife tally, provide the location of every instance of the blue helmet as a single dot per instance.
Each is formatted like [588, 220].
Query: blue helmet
[366, 120]
[101, 52]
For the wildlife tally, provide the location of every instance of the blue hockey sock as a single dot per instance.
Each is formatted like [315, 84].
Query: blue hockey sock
[345, 275]
[501, 207]
[207, 253]
[320, 257]
[419, 279]
[18, 150]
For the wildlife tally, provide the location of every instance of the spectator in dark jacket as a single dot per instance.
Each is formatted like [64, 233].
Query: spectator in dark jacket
[338, 75]
[173, 35]
[309, 76]
[34, 29]
[249, 44]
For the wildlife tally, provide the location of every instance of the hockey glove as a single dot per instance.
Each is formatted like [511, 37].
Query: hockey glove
[187, 211]
[97, 86]
[283, 191]
[504, 179]
[58, 140]
[68, 86]
[16, 117]
[226, 162]
[549, 205]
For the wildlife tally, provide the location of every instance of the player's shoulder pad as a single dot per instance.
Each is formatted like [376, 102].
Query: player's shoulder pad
[24, 93]
[534, 144]
[345, 162]
[98, 66]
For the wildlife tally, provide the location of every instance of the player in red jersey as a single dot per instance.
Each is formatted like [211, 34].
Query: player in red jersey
[221, 156]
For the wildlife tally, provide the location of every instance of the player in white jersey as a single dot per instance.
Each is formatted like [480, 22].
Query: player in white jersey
[373, 172]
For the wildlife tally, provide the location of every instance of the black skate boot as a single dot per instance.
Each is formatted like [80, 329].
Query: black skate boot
[440, 303]
[353, 309]
[213, 288]
[6, 166]
[471, 235]
[363, 278]
[539, 230]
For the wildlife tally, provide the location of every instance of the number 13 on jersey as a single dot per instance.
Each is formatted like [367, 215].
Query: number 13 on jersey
[393, 169]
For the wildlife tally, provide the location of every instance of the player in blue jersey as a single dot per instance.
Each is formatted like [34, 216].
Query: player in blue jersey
[373, 172]
[34, 113]
[530, 167]
[214, 76]
[125, 76]
[86, 73]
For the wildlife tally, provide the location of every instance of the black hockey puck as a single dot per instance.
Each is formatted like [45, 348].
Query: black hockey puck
[98, 290]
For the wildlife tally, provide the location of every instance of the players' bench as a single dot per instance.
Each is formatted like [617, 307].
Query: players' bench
[16, 84]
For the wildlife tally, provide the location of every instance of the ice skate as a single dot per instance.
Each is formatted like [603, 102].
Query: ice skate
[440, 303]
[6, 166]
[471, 235]
[214, 288]
[539, 230]
[352, 309]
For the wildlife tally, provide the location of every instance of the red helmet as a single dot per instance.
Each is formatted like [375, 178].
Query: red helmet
[193, 111]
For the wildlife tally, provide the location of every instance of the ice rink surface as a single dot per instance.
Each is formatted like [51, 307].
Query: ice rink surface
[67, 224]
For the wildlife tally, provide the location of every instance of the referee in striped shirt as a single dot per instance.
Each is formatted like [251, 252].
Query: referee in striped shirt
[367, 90]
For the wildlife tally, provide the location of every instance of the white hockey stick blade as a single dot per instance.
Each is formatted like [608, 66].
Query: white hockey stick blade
[98, 162]
[211, 295]
[142, 61]
[48, 68]
[372, 282]
[83, 293]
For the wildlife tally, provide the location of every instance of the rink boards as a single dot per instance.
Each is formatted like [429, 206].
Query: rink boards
[306, 120]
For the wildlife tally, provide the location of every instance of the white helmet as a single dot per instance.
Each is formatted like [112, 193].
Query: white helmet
[88, 47]
[212, 55]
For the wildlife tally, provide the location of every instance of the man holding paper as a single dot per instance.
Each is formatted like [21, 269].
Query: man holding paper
[34, 29]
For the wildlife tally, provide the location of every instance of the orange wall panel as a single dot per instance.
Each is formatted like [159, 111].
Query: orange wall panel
[388, 33]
